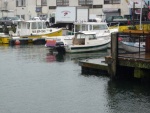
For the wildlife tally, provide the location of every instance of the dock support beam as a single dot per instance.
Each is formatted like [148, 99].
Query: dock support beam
[112, 59]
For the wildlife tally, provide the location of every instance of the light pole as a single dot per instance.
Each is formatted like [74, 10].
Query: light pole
[141, 15]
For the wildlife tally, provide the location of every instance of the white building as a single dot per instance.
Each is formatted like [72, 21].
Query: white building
[31, 8]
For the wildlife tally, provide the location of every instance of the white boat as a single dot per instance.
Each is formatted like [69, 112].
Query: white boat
[87, 42]
[133, 46]
[100, 28]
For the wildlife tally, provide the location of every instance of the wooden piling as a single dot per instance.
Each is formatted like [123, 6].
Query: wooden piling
[112, 59]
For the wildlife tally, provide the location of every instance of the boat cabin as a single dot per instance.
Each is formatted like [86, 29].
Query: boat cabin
[90, 26]
[31, 27]
[82, 38]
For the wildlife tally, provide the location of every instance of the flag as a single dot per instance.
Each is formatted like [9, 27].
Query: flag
[138, 3]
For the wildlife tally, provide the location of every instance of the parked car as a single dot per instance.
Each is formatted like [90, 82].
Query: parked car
[119, 19]
[9, 21]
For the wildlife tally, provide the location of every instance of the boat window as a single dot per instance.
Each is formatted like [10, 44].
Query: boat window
[90, 27]
[28, 25]
[34, 26]
[84, 27]
[100, 27]
[44, 26]
[80, 36]
[92, 37]
[39, 25]
[77, 28]
[19, 25]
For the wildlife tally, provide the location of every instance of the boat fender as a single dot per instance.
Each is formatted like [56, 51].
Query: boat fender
[31, 34]
[50, 30]
[17, 42]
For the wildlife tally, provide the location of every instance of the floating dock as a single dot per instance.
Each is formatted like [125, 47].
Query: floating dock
[94, 66]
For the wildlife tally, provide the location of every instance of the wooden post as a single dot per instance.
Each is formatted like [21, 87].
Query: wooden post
[148, 44]
[114, 52]
[112, 60]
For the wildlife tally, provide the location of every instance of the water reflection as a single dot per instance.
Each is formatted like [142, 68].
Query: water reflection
[60, 57]
[128, 97]
[36, 52]
[51, 57]
[89, 55]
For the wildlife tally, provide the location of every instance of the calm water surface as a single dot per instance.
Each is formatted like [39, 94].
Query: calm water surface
[34, 81]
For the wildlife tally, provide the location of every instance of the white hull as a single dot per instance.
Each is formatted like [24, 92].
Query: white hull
[86, 48]
[132, 48]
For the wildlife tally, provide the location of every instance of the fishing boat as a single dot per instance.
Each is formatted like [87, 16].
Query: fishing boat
[32, 29]
[133, 46]
[36, 29]
[86, 41]
[4, 39]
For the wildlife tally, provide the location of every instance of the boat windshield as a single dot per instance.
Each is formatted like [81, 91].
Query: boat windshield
[87, 27]
[83, 36]
[80, 36]
[91, 37]
[100, 27]
[81, 27]
[84, 28]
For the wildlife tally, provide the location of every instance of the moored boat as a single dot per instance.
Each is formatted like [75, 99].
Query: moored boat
[36, 29]
[100, 28]
[133, 46]
[87, 42]
[31, 29]
[4, 39]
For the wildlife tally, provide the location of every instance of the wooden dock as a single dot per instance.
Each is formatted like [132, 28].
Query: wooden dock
[135, 65]
[94, 66]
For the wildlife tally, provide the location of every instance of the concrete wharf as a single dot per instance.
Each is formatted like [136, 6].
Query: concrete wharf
[118, 64]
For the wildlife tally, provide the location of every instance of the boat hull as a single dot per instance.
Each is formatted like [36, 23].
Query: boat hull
[5, 39]
[50, 34]
[129, 47]
[85, 48]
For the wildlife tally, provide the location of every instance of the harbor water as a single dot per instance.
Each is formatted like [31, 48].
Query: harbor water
[33, 80]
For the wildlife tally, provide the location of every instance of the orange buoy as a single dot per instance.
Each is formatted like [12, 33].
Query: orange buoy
[17, 42]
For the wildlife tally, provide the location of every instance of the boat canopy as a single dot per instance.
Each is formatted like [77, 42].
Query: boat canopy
[85, 34]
